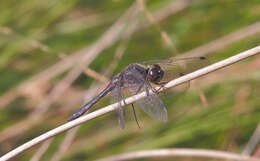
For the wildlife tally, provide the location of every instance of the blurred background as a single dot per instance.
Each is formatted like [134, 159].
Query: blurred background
[57, 54]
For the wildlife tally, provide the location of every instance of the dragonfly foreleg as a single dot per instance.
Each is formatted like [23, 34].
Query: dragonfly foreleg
[148, 86]
[161, 84]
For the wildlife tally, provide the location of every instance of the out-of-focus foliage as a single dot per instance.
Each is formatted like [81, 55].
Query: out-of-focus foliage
[34, 35]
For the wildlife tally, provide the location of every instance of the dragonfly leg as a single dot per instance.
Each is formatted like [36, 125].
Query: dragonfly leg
[123, 98]
[133, 107]
[161, 84]
[154, 90]
[139, 88]
[124, 101]
[150, 87]
[147, 90]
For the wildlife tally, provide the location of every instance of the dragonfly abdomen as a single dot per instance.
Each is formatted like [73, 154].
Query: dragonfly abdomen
[88, 105]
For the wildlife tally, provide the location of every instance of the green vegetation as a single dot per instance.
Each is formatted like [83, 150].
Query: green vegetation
[34, 35]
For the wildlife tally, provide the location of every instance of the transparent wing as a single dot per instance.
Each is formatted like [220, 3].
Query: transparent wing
[177, 67]
[117, 96]
[152, 105]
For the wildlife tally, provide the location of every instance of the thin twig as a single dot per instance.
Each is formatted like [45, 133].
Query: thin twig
[129, 100]
[65, 144]
[200, 51]
[203, 99]
[238, 72]
[166, 38]
[109, 37]
[42, 149]
[70, 60]
[92, 91]
[180, 152]
[105, 41]
[118, 55]
[218, 76]
[254, 140]
[90, 94]
[96, 75]
[6, 30]
[224, 41]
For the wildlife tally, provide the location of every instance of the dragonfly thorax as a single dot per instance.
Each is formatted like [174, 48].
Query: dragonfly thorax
[155, 73]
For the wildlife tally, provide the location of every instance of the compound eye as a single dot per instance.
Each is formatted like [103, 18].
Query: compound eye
[160, 73]
[156, 74]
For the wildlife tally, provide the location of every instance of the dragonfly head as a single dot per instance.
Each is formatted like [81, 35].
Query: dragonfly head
[155, 73]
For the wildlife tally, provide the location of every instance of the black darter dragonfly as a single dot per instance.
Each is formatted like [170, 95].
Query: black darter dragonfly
[139, 77]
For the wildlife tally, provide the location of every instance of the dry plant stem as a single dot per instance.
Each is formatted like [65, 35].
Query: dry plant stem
[203, 99]
[67, 63]
[92, 91]
[42, 149]
[37, 115]
[85, 54]
[129, 100]
[152, 20]
[253, 142]
[94, 50]
[203, 50]
[70, 60]
[65, 144]
[96, 75]
[236, 73]
[180, 152]
[118, 55]
[175, 7]
[172, 8]
[71, 133]
[109, 37]
[223, 41]
[6, 30]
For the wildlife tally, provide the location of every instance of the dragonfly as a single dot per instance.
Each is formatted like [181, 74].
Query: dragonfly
[143, 77]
